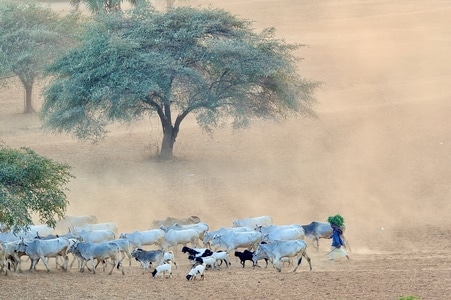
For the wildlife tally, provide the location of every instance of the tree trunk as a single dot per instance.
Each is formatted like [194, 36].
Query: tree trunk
[28, 99]
[167, 145]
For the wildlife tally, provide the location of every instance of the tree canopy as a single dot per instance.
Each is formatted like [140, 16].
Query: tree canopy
[143, 62]
[99, 6]
[30, 183]
[31, 35]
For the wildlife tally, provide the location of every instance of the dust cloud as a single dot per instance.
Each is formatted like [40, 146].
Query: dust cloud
[378, 153]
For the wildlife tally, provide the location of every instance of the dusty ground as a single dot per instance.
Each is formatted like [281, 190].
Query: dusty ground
[378, 154]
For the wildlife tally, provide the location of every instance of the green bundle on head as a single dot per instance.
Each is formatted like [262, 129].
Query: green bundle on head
[336, 220]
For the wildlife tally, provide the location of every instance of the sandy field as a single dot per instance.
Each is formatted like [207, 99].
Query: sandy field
[378, 154]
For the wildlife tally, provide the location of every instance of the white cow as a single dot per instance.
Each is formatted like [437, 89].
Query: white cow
[208, 236]
[138, 239]
[278, 249]
[171, 221]
[15, 233]
[100, 251]
[234, 240]
[200, 227]
[252, 222]
[11, 256]
[281, 232]
[124, 245]
[74, 221]
[43, 249]
[99, 226]
[172, 238]
[94, 236]
[9, 236]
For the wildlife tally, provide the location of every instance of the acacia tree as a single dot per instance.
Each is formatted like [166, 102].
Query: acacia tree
[146, 63]
[30, 183]
[31, 35]
[98, 6]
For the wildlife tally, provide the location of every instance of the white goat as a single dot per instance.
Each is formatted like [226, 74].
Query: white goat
[197, 270]
[221, 256]
[162, 269]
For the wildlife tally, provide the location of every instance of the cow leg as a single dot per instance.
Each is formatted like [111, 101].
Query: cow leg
[83, 263]
[44, 261]
[145, 265]
[119, 267]
[127, 254]
[276, 264]
[73, 260]
[297, 265]
[304, 254]
[129, 258]
[308, 259]
[33, 264]
[93, 266]
[65, 262]
[17, 262]
[114, 265]
[123, 255]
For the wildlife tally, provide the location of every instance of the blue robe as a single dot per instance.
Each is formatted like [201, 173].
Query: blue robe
[337, 242]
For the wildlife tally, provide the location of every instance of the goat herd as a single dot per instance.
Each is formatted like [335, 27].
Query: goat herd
[97, 243]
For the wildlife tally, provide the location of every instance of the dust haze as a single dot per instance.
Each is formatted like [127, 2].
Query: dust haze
[378, 153]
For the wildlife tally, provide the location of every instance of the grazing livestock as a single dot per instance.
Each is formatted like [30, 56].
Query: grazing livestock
[74, 221]
[194, 272]
[172, 238]
[209, 261]
[88, 251]
[98, 226]
[138, 239]
[234, 240]
[169, 221]
[278, 249]
[12, 257]
[147, 257]
[93, 236]
[42, 230]
[124, 245]
[8, 236]
[169, 257]
[281, 232]
[221, 256]
[317, 230]
[252, 222]
[200, 227]
[42, 249]
[248, 255]
[162, 269]
[208, 236]
[197, 252]
[15, 233]
[320, 230]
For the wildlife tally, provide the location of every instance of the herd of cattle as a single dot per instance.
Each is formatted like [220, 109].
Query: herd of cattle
[99, 243]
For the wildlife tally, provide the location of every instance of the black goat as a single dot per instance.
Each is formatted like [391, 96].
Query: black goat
[196, 253]
[247, 255]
